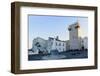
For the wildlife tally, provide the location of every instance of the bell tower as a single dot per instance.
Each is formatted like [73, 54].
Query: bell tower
[74, 36]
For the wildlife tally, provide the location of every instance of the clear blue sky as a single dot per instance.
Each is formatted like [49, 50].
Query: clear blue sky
[51, 26]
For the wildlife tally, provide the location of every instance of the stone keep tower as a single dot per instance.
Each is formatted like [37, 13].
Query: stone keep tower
[74, 40]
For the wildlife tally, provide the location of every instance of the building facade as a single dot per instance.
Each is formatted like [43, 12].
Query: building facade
[56, 44]
[46, 46]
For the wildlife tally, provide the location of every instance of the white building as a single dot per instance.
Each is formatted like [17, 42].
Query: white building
[85, 42]
[75, 42]
[45, 46]
[56, 44]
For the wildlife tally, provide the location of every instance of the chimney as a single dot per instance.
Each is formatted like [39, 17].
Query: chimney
[57, 38]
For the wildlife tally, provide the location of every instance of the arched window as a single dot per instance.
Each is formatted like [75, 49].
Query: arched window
[59, 44]
[69, 29]
[77, 26]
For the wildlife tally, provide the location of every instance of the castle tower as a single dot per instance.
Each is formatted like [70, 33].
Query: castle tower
[74, 40]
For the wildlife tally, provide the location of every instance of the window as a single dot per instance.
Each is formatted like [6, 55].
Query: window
[69, 29]
[56, 43]
[51, 43]
[63, 49]
[59, 44]
[77, 26]
[63, 44]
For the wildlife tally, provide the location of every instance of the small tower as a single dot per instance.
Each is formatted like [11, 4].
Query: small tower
[54, 44]
[74, 36]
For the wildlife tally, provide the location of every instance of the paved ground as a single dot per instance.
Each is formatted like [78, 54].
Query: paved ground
[63, 55]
